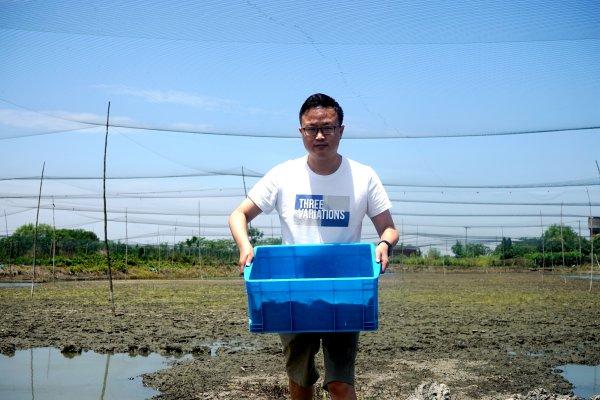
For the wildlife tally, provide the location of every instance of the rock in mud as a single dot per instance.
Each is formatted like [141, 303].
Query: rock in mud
[431, 391]
[7, 349]
[70, 350]
[172, 348]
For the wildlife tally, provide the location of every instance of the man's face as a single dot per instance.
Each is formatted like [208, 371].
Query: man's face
[321, 146]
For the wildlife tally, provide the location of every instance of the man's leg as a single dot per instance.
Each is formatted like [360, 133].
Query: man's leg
[298, 392]
[299, 350]
[339, 352]
[341, 391]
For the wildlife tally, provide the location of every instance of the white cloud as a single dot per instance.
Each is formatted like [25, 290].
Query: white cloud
[172, 97]
[26, 123]
[25, 120]
[207, 103]
[29, 120]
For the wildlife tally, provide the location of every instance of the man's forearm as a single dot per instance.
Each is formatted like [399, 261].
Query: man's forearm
[238, 225]
[389, 235]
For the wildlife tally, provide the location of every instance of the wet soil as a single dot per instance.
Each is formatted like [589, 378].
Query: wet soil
[483, 335]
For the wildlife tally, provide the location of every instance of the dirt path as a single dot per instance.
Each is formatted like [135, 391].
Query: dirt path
[483, 335]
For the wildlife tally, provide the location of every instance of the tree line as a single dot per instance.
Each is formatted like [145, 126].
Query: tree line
[71, 247]
[558, 246]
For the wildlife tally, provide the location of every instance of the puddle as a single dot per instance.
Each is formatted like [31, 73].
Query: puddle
[582, 277]
[45, 373]
[4, 285]
[585, 378]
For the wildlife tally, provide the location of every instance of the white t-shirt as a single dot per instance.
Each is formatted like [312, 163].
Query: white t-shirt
[316, 208]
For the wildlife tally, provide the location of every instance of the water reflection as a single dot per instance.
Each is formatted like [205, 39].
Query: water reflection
[8, 285]
[44, 373]
[582, 277]
[585, 379]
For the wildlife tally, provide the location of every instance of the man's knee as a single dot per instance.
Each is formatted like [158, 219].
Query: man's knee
[341, 390]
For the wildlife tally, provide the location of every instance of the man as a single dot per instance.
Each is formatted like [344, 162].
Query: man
[320, 198]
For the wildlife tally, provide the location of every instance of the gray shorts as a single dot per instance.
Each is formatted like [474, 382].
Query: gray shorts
[339, 353]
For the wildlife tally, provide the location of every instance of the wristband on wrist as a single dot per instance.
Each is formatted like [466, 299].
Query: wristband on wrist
[389, 245]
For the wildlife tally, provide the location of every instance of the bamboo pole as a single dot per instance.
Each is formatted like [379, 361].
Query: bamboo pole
[579, 238]
[37, 217]
[591, 239]
[562, 240]
[126, 239]
[418, 238]
[110, 282]
[503, 248]
[402, 247]
[543, 247]
[198, 242]
[466, 238]
[53, 242]
[591, 231]
[173, 254]
[444, 259]
[9, 244]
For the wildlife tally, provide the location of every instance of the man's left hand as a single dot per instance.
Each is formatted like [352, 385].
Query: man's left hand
[381, 256]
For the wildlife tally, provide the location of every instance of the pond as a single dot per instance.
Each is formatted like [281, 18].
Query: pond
[45, 373]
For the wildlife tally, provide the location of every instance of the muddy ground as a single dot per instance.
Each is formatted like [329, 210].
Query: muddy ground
[485, 335]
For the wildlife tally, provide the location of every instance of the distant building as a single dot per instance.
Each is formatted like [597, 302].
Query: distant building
[594, 226]
[407, 250]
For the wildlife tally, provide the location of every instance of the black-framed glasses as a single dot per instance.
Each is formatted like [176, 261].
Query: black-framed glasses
[313, 131]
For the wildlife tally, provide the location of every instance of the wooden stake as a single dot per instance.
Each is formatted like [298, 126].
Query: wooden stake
[9, 244]
[37, 217]
[110, 282]
[579, 237]
[591, 240]
[503, 249]
[174, 234]
[562, 240]
[126, 239]
[444, 259]
[53, 241]
[543, 247]
[198, 243]
[401, 246]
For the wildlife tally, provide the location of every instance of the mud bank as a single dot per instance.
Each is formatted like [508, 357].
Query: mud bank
[483, 335]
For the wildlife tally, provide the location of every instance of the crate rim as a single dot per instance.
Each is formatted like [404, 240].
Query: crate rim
[375, 265]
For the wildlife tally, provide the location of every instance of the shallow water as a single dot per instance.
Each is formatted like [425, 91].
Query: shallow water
[585, 379]
[595, 277]
[4, 285]
[45, 373]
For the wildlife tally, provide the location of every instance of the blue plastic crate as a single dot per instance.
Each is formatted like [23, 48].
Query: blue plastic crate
[313, 288]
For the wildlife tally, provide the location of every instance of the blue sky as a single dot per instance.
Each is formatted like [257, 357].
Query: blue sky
[244, 68]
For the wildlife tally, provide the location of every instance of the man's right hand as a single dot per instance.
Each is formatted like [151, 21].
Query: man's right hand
[246, 257]
[238, 223]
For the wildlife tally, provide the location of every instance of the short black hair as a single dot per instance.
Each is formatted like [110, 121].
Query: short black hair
[321, 100]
